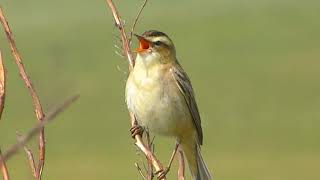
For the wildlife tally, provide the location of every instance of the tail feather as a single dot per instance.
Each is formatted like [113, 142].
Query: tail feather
[197, 166]
[202, 166]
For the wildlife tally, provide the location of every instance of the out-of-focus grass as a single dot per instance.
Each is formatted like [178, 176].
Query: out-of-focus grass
[255, 66]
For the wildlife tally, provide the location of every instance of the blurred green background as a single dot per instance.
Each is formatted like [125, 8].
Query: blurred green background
[254, 64]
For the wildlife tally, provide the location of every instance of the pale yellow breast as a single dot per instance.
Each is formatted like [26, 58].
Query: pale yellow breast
[157, 102]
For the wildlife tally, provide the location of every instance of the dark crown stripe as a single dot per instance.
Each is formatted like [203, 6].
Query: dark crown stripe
[153, 33]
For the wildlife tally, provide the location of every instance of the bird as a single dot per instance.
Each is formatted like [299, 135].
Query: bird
[160, 95]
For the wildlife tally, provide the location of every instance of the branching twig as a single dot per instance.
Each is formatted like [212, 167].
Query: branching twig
[4, 169]
[24, 139]
[119, 24]
[136, 20]
[36, 102]
[127, 49]
[148, 153]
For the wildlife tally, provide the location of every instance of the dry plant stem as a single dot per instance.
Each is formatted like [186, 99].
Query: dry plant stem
[4, 169]
[36, 102]
[181, 170]
[31, 161]
[136, 20]
[2, 85]
[3, 166]
[173, 155]
[150, 170]
[140, 171]
[127, 49]
[125, 42]
[150, 156]
[164, 172]
[30, 157]
[35, 130]
[150, 167]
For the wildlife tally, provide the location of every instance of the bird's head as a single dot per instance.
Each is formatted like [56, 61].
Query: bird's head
[156, 45]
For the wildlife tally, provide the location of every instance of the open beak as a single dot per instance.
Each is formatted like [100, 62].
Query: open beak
[144, 44]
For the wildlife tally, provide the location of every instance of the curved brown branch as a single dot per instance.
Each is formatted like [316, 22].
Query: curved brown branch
[3, 166]
[36, 102]
[127, 50]
[147, 152]
[4, 169]
[125, 42]
[136, 20]
[35, 130]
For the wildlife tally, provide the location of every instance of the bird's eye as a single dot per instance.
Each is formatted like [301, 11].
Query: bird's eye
[158, 43]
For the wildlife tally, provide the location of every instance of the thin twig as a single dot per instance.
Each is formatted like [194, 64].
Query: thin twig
[29, 156]
[150, 167]
[136, 20]
[181, 170]
[31, 161]
[140, 171]
[4, 169]
[36, 102]
[2, 85]
[3, 166]
[119, 24]
[127, 49]
[50, 116]
[148, 153]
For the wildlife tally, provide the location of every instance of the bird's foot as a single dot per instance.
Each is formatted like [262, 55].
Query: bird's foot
[136, 130]
[162, 172]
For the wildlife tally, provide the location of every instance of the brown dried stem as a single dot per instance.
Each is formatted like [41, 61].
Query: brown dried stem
[29, 156]
[4, 169]
[2, 85]
[136, 20]
[36, 102]
[3, 166]
[35, 130]
[127, 50]
[124, 39]
[150, 167]
[181, 170]
[140, 171]
[148, 153]
[31, 161]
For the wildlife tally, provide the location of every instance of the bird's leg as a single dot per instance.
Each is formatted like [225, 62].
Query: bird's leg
[136, 130]
[163, 172]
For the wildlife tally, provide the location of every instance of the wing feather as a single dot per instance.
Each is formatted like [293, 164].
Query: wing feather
[186, 89]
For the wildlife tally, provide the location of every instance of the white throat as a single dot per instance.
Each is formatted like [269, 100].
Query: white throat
[147, 59]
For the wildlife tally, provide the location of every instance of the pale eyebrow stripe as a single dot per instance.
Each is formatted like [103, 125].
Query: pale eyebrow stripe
[162, 39]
